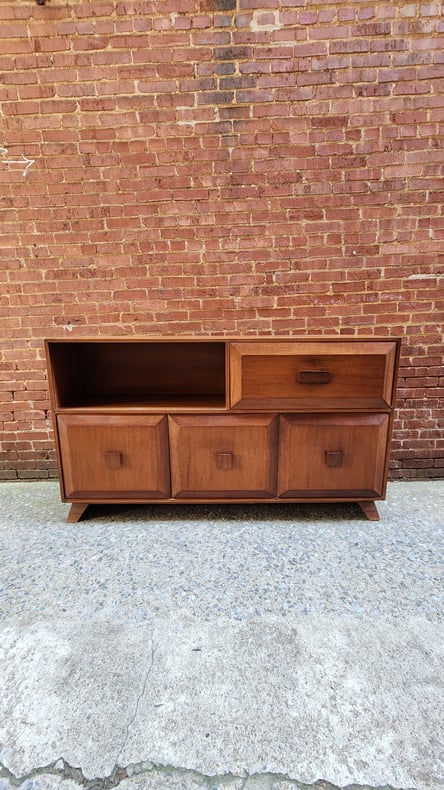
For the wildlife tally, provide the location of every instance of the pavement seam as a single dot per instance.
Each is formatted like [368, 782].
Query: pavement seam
[63, 770]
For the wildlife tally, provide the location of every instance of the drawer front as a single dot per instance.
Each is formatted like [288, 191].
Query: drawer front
[316, 376]
[223, 456]
[114, 456]
[332, 455]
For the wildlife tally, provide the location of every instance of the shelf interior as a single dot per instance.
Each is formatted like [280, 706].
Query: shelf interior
[138, 374]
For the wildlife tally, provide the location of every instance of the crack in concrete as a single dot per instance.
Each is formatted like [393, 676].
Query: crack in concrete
[136, 709]
[256, 781]
[63, 770]
[242, 787]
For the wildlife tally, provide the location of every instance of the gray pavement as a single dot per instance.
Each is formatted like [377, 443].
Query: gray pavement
[221, 647]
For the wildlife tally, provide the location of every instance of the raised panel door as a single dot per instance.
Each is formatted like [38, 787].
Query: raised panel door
[313, 376]
[334, 455]
[114, 457]
[223, 456]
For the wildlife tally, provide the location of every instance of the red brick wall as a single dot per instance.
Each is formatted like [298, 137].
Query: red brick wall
[220, 166]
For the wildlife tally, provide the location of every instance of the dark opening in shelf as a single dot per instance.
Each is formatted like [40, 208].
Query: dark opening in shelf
[154, 374]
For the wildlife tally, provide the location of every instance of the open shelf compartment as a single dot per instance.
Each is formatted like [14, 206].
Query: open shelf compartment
[133, 374]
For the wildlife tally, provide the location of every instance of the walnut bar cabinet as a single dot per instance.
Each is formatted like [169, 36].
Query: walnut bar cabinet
[222, 419]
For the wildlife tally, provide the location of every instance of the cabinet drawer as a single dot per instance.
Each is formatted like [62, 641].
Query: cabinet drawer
[332, 455]
[114, 456]
[312, 375]
[223, 456]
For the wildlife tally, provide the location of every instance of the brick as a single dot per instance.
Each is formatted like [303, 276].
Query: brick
[14, 30]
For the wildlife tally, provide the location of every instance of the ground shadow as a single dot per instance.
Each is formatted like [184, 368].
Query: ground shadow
[282, 512]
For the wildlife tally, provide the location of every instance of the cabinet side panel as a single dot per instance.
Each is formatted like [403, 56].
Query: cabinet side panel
[67, 373]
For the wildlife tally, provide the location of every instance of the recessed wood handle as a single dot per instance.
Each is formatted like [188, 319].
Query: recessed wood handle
[334, 458]
[224, 460]
[315, 376]
[113, 460]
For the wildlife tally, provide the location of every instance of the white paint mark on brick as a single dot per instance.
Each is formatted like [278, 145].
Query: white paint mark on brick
[22, 161]
[265, 20]
[424, 276]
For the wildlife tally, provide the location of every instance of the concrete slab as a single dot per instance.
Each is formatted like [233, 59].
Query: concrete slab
[216, 648]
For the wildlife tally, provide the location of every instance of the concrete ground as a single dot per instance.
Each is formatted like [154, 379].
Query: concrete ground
[221, 647]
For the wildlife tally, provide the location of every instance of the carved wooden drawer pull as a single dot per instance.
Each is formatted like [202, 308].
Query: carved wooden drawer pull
[113, 460]
[315, 376]
[334, 458]
[224, 460]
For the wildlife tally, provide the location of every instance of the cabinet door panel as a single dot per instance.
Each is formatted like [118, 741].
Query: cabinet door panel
[223, 456]
[114, 456]
[312, 375]
[332, 455]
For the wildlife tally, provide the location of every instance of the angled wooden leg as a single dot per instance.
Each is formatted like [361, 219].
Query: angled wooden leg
[370, 510]
[76, 512]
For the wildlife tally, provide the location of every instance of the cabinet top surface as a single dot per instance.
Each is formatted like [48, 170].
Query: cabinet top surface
[226, 339]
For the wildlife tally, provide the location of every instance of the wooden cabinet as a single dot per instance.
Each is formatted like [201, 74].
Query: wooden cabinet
[222, 419]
